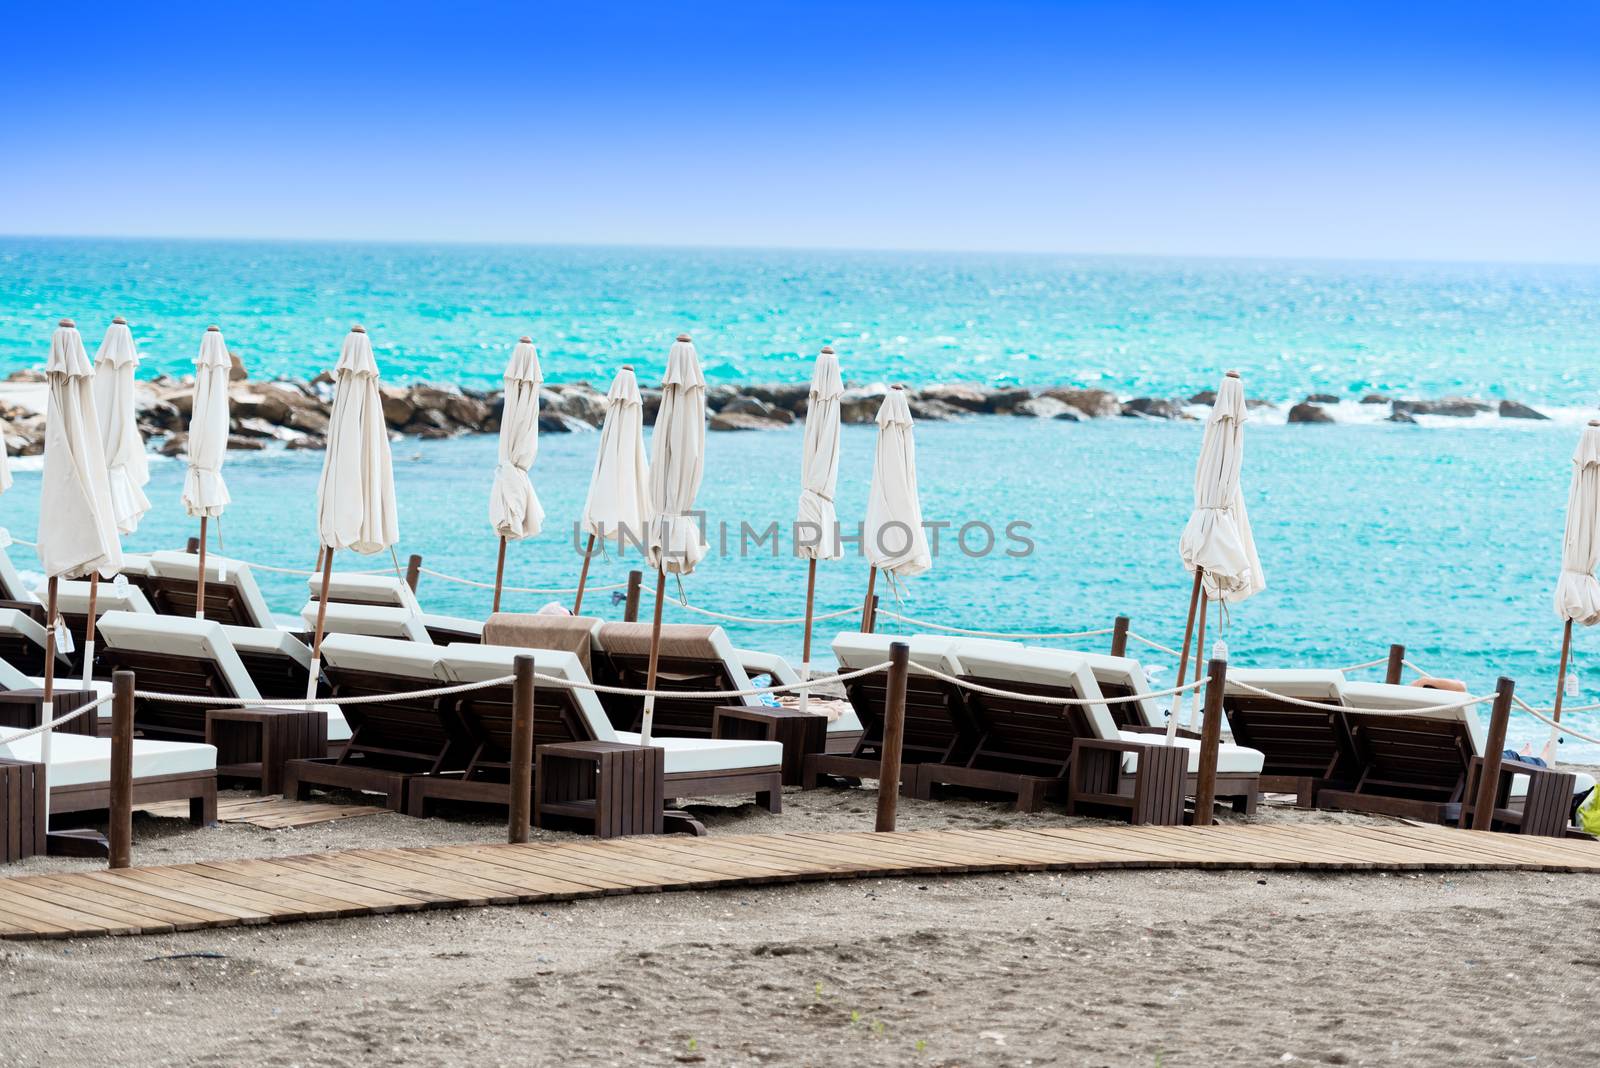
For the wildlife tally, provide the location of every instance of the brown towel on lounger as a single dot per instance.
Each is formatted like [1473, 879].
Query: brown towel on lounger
[568, 634]
[679, 641]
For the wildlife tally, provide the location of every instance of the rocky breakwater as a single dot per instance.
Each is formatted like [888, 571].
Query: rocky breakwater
[294, 414]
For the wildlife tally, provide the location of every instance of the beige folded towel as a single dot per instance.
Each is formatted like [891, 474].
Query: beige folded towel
[568, 634]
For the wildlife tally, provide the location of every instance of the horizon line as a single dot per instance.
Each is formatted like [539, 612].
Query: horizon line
[835, 249]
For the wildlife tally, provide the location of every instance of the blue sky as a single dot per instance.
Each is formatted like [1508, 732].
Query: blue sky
[1427, 131]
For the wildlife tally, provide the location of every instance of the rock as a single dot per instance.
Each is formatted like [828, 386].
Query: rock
[1400, 417]
[159, 413]
[27, 374]
[1151, 408]
[1307, 412]
[1322, 398]
[971, 398]
[310, 420]
[932, 411]
[860, 405]
[1205, 396]
[726, 420]
[252, 427]
[1046, 408]
[760, 409]
[236, 371]
[175, 445]
[1002, 401]
[584, 403]
[1454, 407]
[1094, 403]
[237, 441]
[719, 397]
[1252, 403]
[307, 441]
[470, 412]
[791, 398]
[431, 419]
[398, 407]
[1070, 414]
[650, 401]
[560, 423]
[1510, 409]
[1375, 398]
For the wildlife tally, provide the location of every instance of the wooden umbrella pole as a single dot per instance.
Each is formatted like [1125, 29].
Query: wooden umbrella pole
[655, 656]
[866, 606]
[805, 648]
[200, 583]
[322, 615]
[88, 629]
[1199, 660]
[499, 573]
[1561, 680]
[1183, 658]
[583, 577]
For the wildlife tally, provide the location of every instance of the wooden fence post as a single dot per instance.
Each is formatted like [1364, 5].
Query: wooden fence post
[521, 751]
[630, 608]
[894, 727]
[1493, 754]
[1205, 787]
[192, 546]
[1397, 663]
[413, 570]
[1119, 636]
[121, 828]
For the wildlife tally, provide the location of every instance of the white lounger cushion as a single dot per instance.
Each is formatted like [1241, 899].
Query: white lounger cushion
[269, 641]
[1231, 759]
[72, 598]
[12, 587]
[684, 755]
[17, 622]
[999, 664]
[348, 586]
[1308, 684]
[77, 759]
[1128, 672]
[374, 621]
[202, 639]
[465, 662]
[220, 571]
[387, 656]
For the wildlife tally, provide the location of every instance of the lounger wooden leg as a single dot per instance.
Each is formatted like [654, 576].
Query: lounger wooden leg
[203, 809]
[1030, 797]
[416, 803]
[771, 800]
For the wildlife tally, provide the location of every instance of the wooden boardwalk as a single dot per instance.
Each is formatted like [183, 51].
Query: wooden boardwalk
[225, 893]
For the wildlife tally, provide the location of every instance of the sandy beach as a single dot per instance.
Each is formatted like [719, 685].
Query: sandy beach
[1165, 967]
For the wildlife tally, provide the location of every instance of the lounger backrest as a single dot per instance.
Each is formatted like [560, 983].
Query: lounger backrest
[232, 596]
[171, 654]
[276, 660]
[1123, 676]
[365, 620]
[12, 588]
[692, 658]
[418, 733]
[936, 724]
[560, 713]
[1405, 700]
[22, 641]
[12, 679]
[347, 587]
[579, 635]
[1295, 741]
[72, 599]
[1038, 672]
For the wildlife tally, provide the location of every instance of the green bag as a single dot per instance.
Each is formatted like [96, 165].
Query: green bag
[1589, 813]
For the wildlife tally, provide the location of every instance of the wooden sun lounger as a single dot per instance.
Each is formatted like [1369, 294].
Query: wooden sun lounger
[937, 726]
[1421, 765]
[1307, 750]
[232, 597]
[391, 591]
[391, 742]
[693, 767]
[79, 776]
[22, 642]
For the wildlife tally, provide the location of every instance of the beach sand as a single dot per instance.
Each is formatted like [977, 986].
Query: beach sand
[1160, 967]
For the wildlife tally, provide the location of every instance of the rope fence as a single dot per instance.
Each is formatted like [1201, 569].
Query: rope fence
[68, 717]
[1562, 727]
[1045, 699]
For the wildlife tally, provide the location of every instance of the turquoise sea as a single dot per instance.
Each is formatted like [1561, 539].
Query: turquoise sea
[1444, 536]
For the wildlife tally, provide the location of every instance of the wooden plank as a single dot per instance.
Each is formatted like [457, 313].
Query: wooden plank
[79, 888]
[536, 860]
[139, 879]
